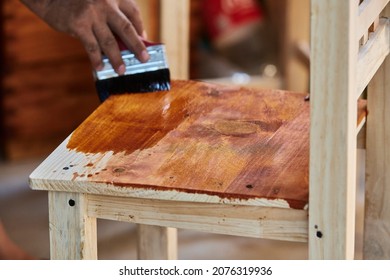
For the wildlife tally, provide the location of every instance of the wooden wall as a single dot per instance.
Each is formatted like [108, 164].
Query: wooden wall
[47, 85]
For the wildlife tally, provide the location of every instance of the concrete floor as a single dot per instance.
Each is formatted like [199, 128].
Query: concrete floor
[25, 216]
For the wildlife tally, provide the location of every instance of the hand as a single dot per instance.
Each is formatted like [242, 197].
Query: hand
[94, 23]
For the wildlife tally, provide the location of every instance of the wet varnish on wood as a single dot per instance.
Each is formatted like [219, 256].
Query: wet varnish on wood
[197, 143]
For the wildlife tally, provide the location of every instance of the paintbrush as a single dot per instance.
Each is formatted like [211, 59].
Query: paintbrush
[150, 76]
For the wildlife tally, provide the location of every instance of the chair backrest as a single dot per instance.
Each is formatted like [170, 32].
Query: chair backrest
[168, 21]
[377, 206]
[341, 68]
[174, 32]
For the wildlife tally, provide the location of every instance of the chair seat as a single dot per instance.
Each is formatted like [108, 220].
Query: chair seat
[198, 142]
[214, 158]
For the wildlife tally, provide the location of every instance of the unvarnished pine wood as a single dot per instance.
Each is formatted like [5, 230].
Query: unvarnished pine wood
[377, 206]
[72, 232]
[175, 28]
[372, 54]
[156, 243]
[333, 129]
[368, 12]
[239, 220]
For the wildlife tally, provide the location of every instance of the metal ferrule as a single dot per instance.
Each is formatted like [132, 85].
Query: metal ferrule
[157, 61]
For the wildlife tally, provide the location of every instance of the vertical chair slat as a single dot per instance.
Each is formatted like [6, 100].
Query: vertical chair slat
[333, 129]
[377, 206]
[369, 10]
[372, 54]
[175, 22]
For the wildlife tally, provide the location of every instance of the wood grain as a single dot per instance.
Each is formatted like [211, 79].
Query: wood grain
[73, 234]
[377, 207]
[372, 54]
[333, 129]
[198, 142]
[190, 140]
[220, 218]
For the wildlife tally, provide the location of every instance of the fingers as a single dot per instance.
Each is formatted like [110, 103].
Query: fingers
[96, 27]
[109, 47]
[94, 52]
[126, 30]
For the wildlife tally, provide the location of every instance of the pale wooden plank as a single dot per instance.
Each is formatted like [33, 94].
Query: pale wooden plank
[372, 54]
[175, 25]
[369, 10]
[72, 233]
[377, 206]
[250, 221]
[333, 110]
[156, 243]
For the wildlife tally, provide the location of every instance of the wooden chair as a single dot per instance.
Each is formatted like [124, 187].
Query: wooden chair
[236, 161]
[340, 71]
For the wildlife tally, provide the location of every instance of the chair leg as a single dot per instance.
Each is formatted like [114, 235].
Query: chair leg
[73, 235]
[156, 243]
[377, 204]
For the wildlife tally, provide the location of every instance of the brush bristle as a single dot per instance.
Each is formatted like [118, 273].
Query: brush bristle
[152, 81]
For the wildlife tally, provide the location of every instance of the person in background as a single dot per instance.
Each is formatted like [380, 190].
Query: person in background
[94, 23]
